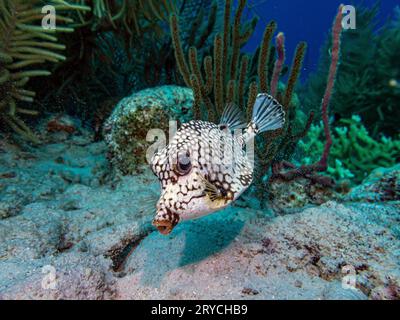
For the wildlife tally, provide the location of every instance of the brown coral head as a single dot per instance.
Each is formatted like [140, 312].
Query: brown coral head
[165, 221]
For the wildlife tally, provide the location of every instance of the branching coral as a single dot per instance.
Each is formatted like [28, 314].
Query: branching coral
[225, 77]
[229, 75]
[287, 171]
[232, 77]
[130, 17]
[104, 55]
[355, 154]
[24, 45]
[365, 78]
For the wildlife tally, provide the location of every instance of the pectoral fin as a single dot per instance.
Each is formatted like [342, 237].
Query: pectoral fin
[218, 196]
[211, 190]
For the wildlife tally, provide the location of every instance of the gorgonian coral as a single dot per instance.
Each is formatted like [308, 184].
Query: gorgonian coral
[367, 80]
[25, 48]
[230, 76]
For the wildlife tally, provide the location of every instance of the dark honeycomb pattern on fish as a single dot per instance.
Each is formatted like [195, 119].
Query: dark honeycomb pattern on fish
[216, 156]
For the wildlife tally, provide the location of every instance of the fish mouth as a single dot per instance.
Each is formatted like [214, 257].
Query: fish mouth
[166, 222]
[164, 227]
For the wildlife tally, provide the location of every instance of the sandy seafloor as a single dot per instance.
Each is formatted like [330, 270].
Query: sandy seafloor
[70, 230]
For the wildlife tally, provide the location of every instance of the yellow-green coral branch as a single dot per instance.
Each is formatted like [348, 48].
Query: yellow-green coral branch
[29, 74]
[25, 63]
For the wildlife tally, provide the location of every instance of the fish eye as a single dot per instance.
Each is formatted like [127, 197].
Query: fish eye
[184, 164]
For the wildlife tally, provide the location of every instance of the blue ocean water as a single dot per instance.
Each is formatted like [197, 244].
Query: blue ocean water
[306, 20]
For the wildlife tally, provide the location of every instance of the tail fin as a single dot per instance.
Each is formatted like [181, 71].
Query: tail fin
[268, 115]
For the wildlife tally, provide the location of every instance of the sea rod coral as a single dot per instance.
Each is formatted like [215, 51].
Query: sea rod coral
[367, 80]
[287, 171]
[233, 77]
[234, 83]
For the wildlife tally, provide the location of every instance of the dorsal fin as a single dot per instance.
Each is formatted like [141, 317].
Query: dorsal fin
[232, 117]
[268, 114]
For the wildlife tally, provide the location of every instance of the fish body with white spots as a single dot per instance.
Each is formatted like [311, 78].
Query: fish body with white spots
[206, 167]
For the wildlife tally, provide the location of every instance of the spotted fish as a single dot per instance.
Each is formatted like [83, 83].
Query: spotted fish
[206, 167]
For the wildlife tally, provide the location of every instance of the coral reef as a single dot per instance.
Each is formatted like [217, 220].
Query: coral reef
[287, 171]
[109, 59]
[222, 82]
[241, 79]
[382, 185]
[127, 128]
[77, 77]
[354, 152]
[367, 78]
[111, 32]
[24, 44]
[70, 223]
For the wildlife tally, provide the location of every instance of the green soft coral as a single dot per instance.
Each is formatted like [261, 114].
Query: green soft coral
[354, 153]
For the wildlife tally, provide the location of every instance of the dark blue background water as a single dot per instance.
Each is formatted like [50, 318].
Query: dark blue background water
[306, 20]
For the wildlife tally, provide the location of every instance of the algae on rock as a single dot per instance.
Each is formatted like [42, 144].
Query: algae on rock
[127, 128]
[382, 185]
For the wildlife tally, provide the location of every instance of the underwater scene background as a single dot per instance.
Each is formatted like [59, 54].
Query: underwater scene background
[83, 86]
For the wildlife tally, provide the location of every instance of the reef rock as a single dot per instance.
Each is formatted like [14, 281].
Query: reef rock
[286, 197]
[74, 239]
[68, 276]
[333, 251]
[58, 128]
[126, 130]
[383, 184]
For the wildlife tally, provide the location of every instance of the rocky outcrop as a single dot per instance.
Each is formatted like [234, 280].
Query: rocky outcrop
[240, 254]
[382, 185]
[127, 128]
